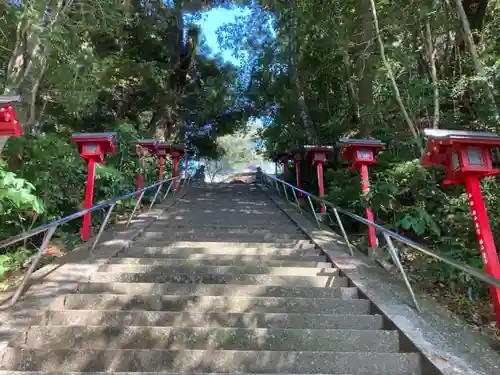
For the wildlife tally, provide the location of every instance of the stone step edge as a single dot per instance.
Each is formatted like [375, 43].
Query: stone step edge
[136, 261]
[6, 372]
[182, 296]
[208, 313]
[215, 286]
[211, 329]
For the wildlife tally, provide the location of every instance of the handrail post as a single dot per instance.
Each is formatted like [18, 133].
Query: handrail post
[154, 198]
[394, 255]
[168, 190]
[179, 184]
[135, 207]
[313, 211]
[19, 291]
[103, 226]
[346, 239]
[284, 189]
[296, 200]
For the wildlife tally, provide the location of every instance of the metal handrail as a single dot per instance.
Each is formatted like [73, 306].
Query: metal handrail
[50, 228]
[388, 236]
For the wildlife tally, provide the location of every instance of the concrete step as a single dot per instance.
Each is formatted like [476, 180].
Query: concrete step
[107, 373]
[201, 236]
[226, 270]
[211, 319]
[217, 290]
[174, 220]
[216, 278]
[217, 211]
[221, 261]
[201, 338]
[232, 228]
[298, 244]
[243, 227]
[219, 361]
[138, 251]
[335, 306]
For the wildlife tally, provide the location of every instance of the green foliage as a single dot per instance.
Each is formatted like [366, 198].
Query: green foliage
[16, 193]
[14, 260]
[323, 77]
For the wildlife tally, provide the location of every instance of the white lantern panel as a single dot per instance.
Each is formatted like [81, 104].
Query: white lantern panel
[365, 154]
[474, 156]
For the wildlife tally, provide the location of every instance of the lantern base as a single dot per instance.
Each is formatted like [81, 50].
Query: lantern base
[460, 179]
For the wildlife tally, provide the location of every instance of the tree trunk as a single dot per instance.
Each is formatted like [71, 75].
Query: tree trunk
[365, 67]
[469, 38]
[351, 88]
[413, 129]
[297, 84]
[433, 72]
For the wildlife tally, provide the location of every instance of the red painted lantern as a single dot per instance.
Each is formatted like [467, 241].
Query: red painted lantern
[143, 148]
[466, 156]
[461, 153]
[9, 124]
[177, 151]
[284, 158]
[162, 150]
[320, 158]
[361, 152]
[92, 148]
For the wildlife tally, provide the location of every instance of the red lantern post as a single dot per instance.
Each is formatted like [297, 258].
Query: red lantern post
[466, 156]
[361, 152]
[162, 149]
[9, 125]
[92, 148]
[283, 157]
[177, 152]
[143, 147]
[320, 158]
[297, 158]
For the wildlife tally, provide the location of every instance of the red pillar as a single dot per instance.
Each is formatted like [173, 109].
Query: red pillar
[140, 177]
[175, 171]
[89, 193]
[161, 167]
[484, 237]
[321, 186]
[365, 186]
[297, 176]
[285, 167]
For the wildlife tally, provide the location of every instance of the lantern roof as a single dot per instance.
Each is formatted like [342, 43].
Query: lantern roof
[318, 148]
[7, 99]
[147, 142]
[374, 143]
[93, 137]
[441, 142]
[460, 136]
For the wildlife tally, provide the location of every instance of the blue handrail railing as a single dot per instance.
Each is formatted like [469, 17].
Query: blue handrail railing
[50, 228]
[387, 233]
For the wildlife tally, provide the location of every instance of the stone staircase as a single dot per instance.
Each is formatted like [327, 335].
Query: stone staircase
[225, 284]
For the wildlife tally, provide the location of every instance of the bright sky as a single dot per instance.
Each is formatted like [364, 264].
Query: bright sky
[212, 20]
